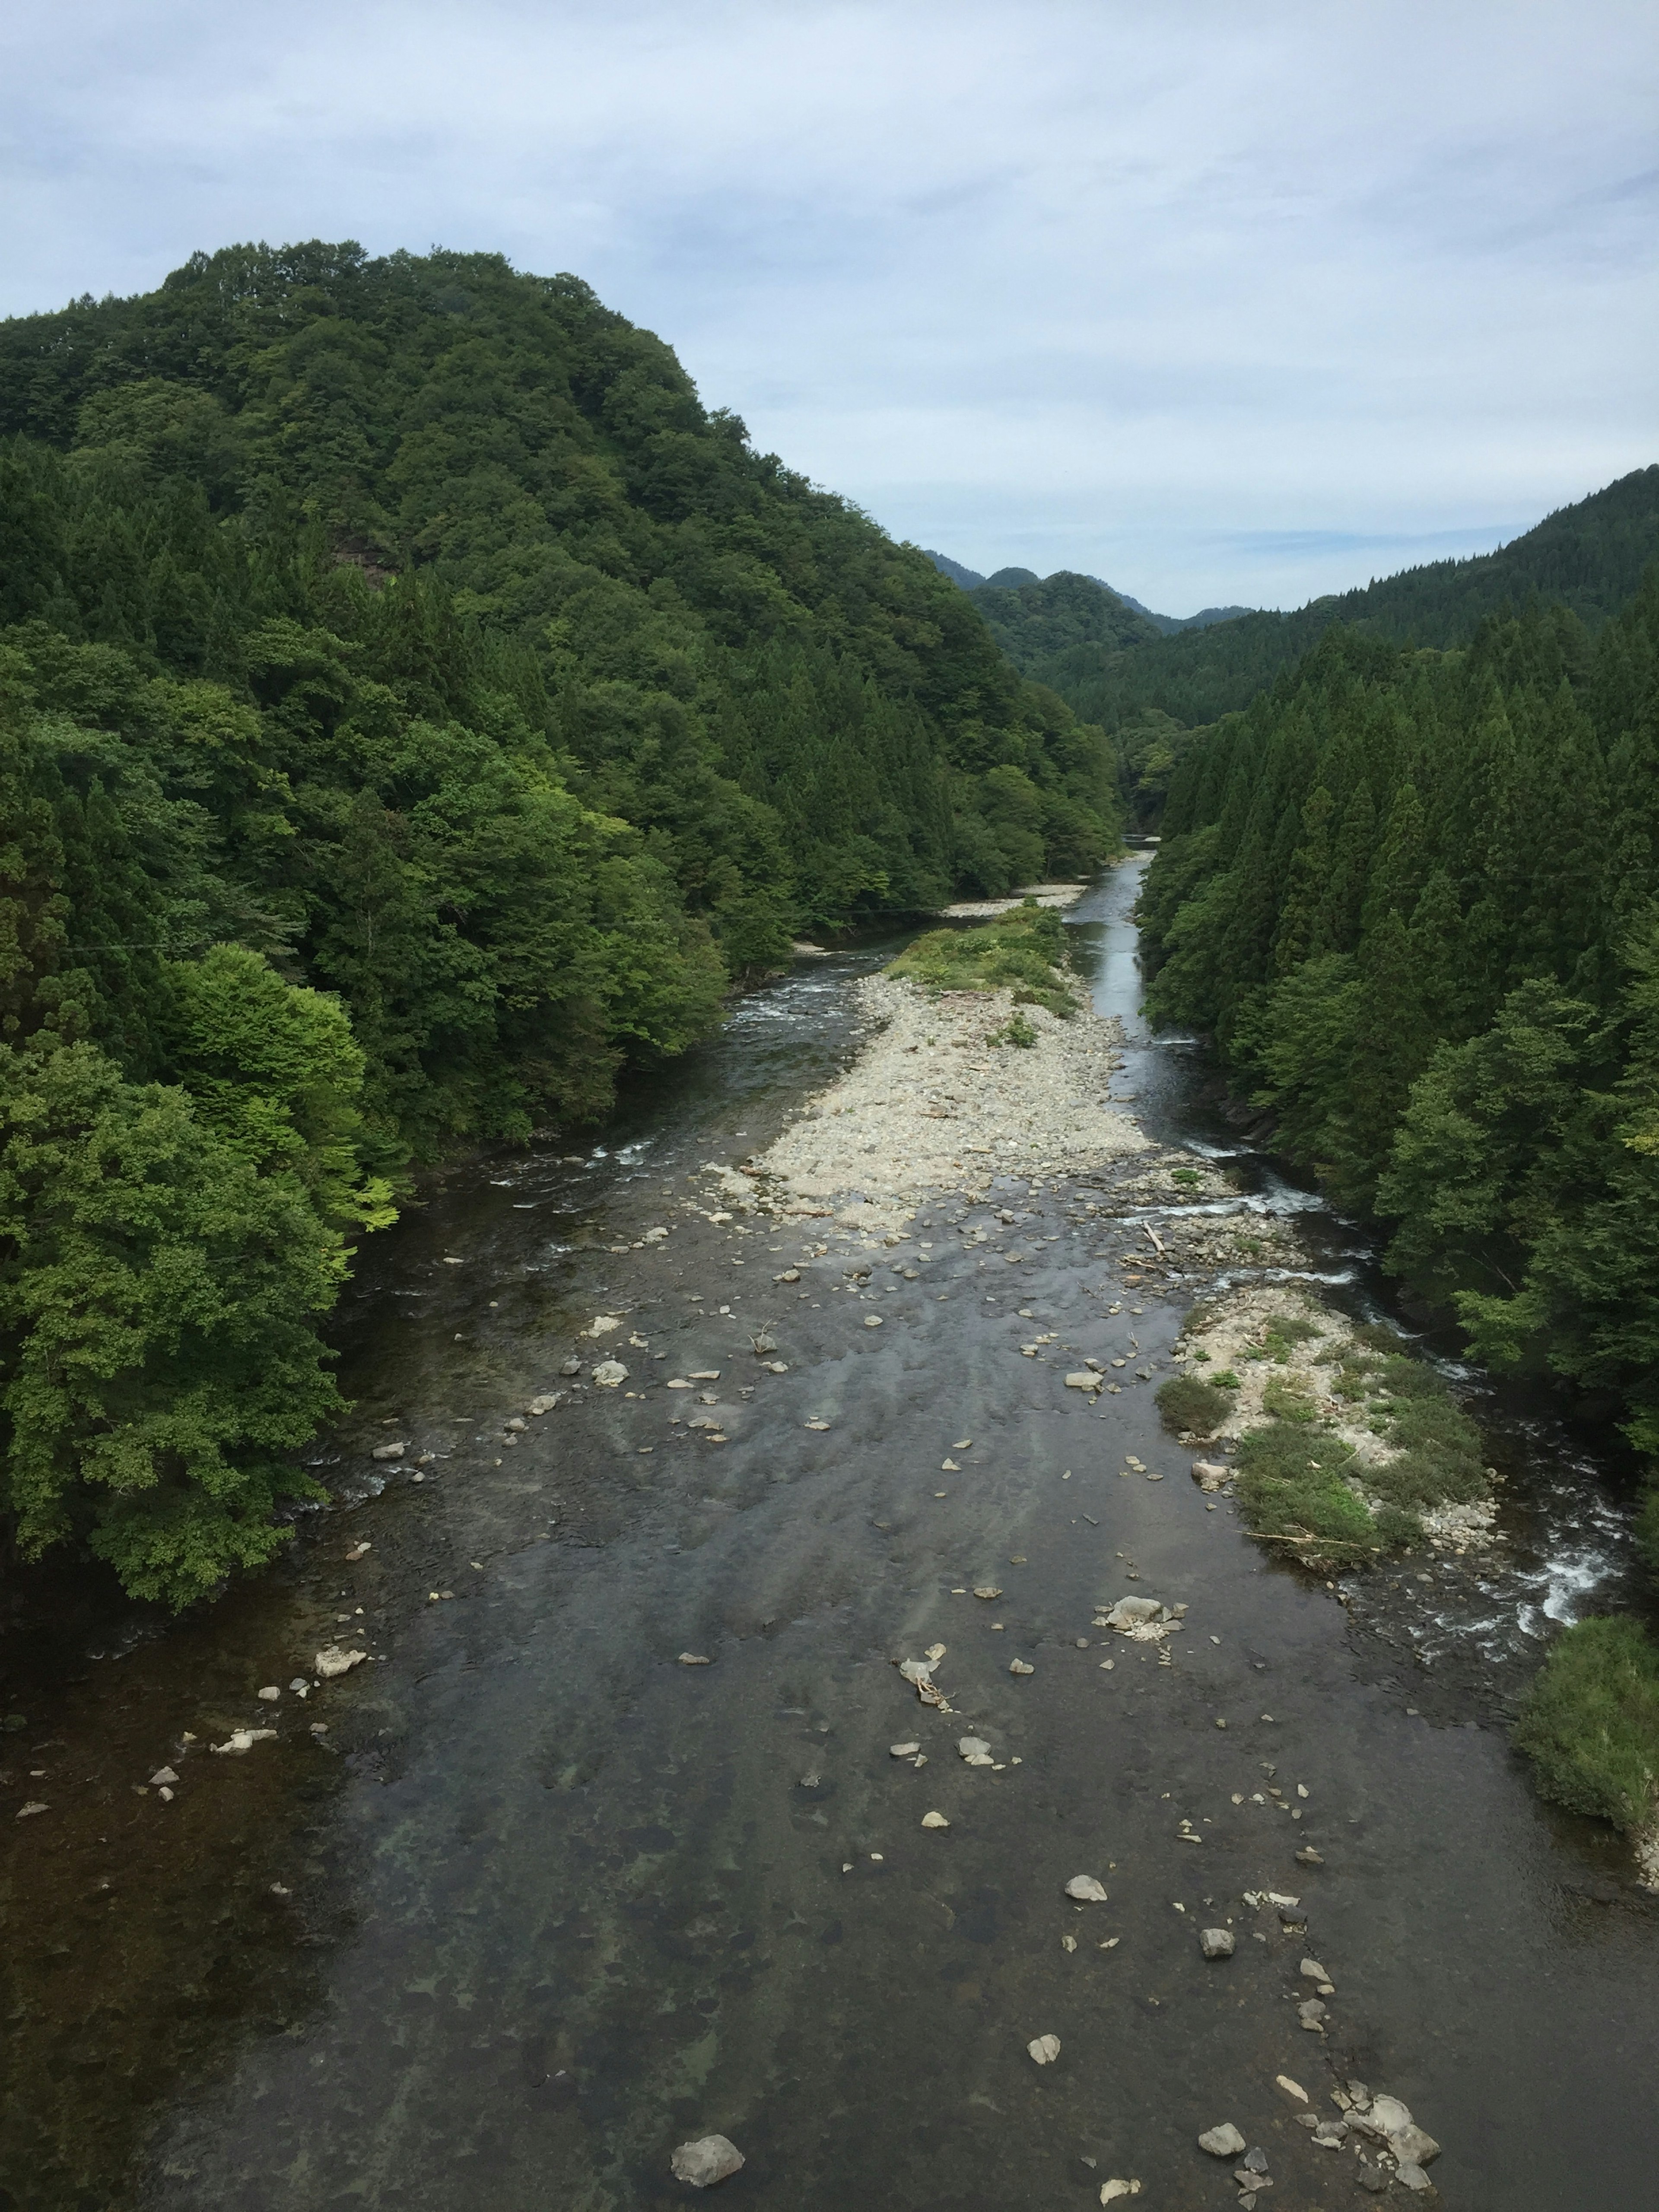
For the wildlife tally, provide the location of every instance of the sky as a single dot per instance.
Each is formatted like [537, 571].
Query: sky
[1223, 305]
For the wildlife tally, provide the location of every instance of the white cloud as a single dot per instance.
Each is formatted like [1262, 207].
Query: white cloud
[1222, 304]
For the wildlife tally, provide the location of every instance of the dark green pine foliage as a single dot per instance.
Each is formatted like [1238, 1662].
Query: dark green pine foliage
[1158, 696]
[415, 706]
[1414, 896]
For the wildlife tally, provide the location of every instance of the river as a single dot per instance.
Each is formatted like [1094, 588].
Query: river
[541, 1902]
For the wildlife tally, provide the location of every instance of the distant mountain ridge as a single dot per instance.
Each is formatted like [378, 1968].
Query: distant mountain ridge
[1015, 579]
[1119, 662]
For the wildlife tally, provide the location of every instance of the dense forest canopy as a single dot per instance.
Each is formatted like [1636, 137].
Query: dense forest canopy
[1149, 693]
[1414, 896]
[413, 704]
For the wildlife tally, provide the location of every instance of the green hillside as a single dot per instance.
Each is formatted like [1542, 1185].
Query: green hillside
[1588, 557]
[1035, 622]
[1414, 896]
[414, 705]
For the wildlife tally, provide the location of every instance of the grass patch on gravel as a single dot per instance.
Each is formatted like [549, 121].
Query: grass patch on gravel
[1590, 1724]
[1022, 951]
[1290, 1483]
[1186, 1405]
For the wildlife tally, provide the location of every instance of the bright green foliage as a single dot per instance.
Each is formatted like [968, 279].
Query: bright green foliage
[275, 1074]
[1413, 897]
[1021, 951]
[1016, 1031]
[159, 1360]
[415, 706]
[1590, 1724]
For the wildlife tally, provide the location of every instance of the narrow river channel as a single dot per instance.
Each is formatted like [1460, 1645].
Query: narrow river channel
[523, 1901]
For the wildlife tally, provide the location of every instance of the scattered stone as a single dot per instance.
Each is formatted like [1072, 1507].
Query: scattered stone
[571, 1367]
[35, 1805]
[1111, 2191]
[1131, 1613]
[973, 1748]
[708, 2159]
[358, 1552]
[333, 1661]
[162, 1774]
[1225, 2142]
[242, 1740]
[1293, 2089]
[873, 1320]
[1210, 1474]
[1412, 2146]
[903, 1750]
[694, 1659]
[269, 1694]
[1044, 2049]
[1312, 2017]
[609, 1373]
[1083, 1378]
[1216, 1943]
[1312, 1970]
[789, 1275]
[1086, 1889]
[934, 1820]
[388, 1451]
[1308, 1856]
[1410, 2175]
[1019, 1666]
[986, 1590]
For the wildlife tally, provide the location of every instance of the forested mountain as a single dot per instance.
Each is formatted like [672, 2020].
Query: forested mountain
[1035, 622]
[1414, 896]
[1012, 579]
[1168, 625]
[1589, 558]
[969, 579]
[413, 703]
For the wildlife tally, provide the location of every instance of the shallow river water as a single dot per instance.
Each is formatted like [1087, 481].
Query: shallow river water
[543, 1902]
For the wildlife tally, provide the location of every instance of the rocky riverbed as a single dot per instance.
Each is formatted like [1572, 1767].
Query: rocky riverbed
[633, 1849]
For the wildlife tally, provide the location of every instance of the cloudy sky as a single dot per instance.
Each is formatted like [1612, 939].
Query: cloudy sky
[1219, 303]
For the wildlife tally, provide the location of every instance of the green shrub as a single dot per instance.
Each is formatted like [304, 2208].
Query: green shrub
[1021, 951]
[1288, 1402]
[1647, 1526]
[1284, 1332]
[1226, 1380]
[1185, 1403]
[1016, 1031]
[1291, 1484]
[1185, 1176]
[1441, 1461]
[1590, 1722]
[1400, 1531]
[1353, 1379]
